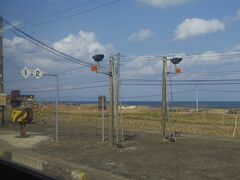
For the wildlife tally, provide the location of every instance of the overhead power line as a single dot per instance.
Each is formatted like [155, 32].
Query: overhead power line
[69, 70]
[44, 47]
[79, 83]
[179, 84]
[66, 98]
[77, 14]
[133, 97]
[156, 95]
[49, 50]
[47, 47]
[209, 74]
[230, 53]
[181, 80]
[60, 11]
[216, 90]
[65, 89]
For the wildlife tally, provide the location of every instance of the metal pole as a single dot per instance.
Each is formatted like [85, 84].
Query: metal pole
[71, 101]
[1, 57]
[171, 87]
[56, 104]
[57, 98]
[196, 98]
[164, 97]
[111, 96]
[103, 138]
[1, 66]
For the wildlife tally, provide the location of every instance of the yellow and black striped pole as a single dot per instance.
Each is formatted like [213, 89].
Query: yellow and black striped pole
[37, 109]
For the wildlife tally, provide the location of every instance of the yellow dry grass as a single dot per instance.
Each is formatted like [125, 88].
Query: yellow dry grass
[212, 122]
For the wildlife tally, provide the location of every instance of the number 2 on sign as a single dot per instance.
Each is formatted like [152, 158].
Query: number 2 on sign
[37, 73]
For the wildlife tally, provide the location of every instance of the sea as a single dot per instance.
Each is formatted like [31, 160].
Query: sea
[187, 104]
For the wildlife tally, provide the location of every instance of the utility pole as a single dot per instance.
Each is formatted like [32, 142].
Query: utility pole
[111, 96]
[117, 76]
[196, 98]
[1, 65]
[164, 97]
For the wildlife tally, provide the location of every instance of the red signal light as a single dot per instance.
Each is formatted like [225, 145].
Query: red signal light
[178, 70]
[94, 68]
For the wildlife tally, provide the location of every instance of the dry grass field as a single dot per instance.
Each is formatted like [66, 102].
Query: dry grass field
[210, 122]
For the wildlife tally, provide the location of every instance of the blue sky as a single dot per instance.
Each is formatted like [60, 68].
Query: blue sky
[138, 29]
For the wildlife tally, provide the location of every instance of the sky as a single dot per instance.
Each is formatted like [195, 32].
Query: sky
[204, 33]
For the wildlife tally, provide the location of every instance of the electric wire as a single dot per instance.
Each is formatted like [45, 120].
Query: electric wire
[77, 14]
[47, 47]
[72, 72]
[157, 95]
[83, 82]
[60, 11]
[69, 70]
[66, 89]
[217, 90]
[179, 84]
[234, 52]
[181, 80]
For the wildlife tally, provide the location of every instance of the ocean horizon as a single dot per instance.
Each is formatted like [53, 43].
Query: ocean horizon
[188, 104]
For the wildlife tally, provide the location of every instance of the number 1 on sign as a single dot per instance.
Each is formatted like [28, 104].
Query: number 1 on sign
[25, 72]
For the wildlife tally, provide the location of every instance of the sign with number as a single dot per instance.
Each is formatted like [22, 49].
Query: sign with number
[25, 72]
[37, 73]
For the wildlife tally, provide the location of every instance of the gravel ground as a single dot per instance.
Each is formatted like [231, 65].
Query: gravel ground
[12, 138]
[143, 157]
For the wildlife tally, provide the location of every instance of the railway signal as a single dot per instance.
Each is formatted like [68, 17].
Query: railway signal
[177, 70]
[176, 61]
[97, 58]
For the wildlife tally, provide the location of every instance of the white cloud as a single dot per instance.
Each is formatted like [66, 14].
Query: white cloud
[207, 57]
[19, 53]
[165, 3]
[44, 63]
[194, 27]
[141, 36]
[139, 67]
[82, 45]
[146, 66]
[17, 44]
